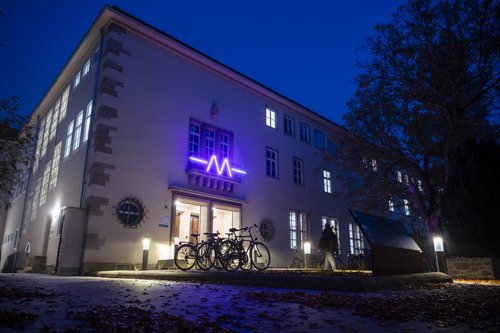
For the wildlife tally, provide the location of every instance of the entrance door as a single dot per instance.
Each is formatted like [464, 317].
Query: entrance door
[194, 227]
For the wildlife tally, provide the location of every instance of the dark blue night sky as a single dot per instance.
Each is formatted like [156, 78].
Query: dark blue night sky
[305, 50]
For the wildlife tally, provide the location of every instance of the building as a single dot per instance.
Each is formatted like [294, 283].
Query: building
[141, 136]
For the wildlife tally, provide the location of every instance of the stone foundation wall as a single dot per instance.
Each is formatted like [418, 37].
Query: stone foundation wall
[473, 268]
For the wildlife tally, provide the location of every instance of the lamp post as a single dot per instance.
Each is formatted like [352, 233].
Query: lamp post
[307, 252]
[439, 251]
[145, 252]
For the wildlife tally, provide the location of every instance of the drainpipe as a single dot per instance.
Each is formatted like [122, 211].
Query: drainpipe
[89, 141]
[23, 216]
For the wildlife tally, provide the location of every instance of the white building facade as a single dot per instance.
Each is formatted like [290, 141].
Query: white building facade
[141, 136]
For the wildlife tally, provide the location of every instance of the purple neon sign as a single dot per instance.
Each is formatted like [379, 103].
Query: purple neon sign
[213, 163]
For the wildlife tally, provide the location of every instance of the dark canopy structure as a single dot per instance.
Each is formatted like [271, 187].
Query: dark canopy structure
[393, 250]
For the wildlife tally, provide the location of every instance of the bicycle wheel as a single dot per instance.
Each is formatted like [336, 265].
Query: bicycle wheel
[185, 257]
[231, 258]
[297, 263]
[203, 256]
[246, 263]
[260, 256]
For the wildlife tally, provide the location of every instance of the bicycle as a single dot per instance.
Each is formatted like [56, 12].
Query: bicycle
[315, 260]
[245, 251]
[185, 255]
[212, 252]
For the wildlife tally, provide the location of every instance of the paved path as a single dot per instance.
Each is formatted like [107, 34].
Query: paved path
[61, 298]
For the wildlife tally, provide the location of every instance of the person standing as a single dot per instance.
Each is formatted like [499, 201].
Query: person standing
[329, 244]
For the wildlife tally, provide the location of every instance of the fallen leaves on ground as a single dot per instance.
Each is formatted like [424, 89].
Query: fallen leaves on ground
[137, 320]
[444, 304]
[16, 319]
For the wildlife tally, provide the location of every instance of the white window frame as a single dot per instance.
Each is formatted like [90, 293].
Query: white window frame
[69, 139]
[78, 78]
[270, 118]
[46, 130]
[356, 243]
[194, 139]
[86, 129]
[86, 68]
[335, 223]
[210, 142]
[293, 229]
[55, 118]
[78, 131]
[64, 104]
[271, 163]
[45, 185]
[327, 181]
[55, 166]
[224, 145]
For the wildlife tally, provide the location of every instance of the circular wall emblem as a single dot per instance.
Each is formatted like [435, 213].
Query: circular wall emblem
[266, 229]
[130, 212]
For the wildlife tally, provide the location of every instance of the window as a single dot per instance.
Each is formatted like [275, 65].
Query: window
[353, 189]
[77, 79]
[298, 171]
[38, 148]
[406, 206]
[327, 181]
[86, 129]
[332, 146]
[64, 104]
[55, 166]
[34, 205]
[194, 139]
[86, 67]
[391, 205]
[78, 131]
[224, 146]
[288, 125]
[304, 133]
[271, 163]
[270, 118]
[69, 138]
[334, 223]
[299, 229]
[55, 118]
[400, 176]
[319, 140]
[209, 142]
[407, 180]
[45, 184]
[374, 165]
[46, 129]
[420, 186]
[356, 244]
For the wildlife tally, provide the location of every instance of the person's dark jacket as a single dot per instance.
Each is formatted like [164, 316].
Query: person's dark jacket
[328, 241]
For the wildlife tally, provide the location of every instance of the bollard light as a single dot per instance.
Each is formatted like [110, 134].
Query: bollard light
[307, 247]
[439, 252]
[145, 252]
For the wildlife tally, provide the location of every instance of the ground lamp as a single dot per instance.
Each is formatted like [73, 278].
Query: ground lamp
[145, 252]
[307, 252]
[439, 251]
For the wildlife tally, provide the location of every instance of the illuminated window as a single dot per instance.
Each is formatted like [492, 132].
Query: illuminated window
[288, 125]
[374, 165]
[86, 67]
[327, 181]
[45, 185]
[406, 206]
[334, 223]
[304, 133]
[86, 129]
[78, 131]
[270, 118]
[55, 119]
[298, 171]
[64, 104]
[420, 186]
[34, 205]
[319, 140]
[400, 176]
[69, 139]
[356, 244]
[299, 229]
[391, 205]
[46, 129]
[271, 163]
[55, 166]
[77, 79]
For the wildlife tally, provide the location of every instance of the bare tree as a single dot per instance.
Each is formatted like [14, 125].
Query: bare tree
[15, 146]
[431, 83]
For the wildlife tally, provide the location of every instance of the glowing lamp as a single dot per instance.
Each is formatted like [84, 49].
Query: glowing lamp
[438, 244]
[213, 165]
[307, 247]
[145, 243]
